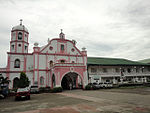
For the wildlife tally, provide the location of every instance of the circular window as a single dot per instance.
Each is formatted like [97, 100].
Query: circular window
[72, 50]
[19, 45]
[51, 48]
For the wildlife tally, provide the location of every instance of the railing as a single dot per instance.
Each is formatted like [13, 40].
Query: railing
[118, 74]
[69, 64]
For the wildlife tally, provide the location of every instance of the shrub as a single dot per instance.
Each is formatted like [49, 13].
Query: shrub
[57, 89]
[44, 89]
[23, 81]
[88, 87]
[94, 87]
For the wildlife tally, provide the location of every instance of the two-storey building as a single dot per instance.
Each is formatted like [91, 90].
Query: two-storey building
[117, 70]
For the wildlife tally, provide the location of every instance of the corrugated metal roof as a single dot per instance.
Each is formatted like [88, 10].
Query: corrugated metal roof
[112, 61]
[144, 61]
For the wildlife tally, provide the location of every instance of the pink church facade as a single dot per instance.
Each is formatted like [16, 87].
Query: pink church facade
[58, 63]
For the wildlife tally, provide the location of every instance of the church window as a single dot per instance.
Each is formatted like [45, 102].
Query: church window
[12, 46]
[51, 48]
[25, 47]
[42, 80]
[19, 45]
[72, 50]
[17, 63]
[62, 61]
[19, 36]
[25, 35]
[51, 63]
[62, 47]
[73, 62]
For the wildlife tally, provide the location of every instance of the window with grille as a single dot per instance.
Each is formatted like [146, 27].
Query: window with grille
[104, 70]
[17, 63]
[19, 36]
[62, 47]
[93, 70]
[41, 80]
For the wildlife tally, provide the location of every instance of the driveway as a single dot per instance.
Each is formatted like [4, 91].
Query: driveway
[78, 101]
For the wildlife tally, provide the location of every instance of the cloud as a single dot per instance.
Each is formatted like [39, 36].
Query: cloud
[112, 28]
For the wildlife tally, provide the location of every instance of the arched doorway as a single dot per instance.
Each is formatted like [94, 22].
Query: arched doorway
[71, 81]
[15, 82]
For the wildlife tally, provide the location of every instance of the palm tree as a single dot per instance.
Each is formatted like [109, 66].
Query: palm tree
[4, 81]
[4, 86]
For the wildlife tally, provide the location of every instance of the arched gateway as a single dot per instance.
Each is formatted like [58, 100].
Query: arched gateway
[71, 80]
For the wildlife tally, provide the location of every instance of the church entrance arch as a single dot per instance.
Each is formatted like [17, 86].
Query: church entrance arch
[71, 80]
[15, 82]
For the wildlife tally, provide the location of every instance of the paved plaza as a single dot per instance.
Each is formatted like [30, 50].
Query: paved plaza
[128, 100]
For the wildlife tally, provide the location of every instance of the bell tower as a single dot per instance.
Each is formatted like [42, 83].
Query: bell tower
[19, 39]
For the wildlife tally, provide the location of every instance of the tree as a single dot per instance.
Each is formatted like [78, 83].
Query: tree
[23, 81]
[4, 81]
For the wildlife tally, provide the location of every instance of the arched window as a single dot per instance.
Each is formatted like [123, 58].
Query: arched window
[51, 63]
[62, 47]
[19, 36]
[41, 80]
[17, 63]
[15, 82]
[62, 61]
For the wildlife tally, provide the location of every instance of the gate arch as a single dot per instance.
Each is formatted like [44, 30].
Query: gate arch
[71, 80]
[15, 82]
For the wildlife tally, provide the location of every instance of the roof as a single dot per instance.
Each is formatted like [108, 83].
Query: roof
[112, 61]
[20, 27]
[144, 61]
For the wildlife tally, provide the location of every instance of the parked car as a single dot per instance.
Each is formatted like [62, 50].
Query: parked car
[109, 85]
[34, 89]
[23, 93]
[103, 85]
[96, 85]
[106, 85]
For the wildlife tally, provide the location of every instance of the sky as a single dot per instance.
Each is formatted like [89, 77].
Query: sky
[106, 28]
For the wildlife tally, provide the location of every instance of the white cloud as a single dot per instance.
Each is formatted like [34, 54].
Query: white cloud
[110, 28]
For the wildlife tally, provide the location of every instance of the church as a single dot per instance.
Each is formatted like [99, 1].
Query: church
[58, 63]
